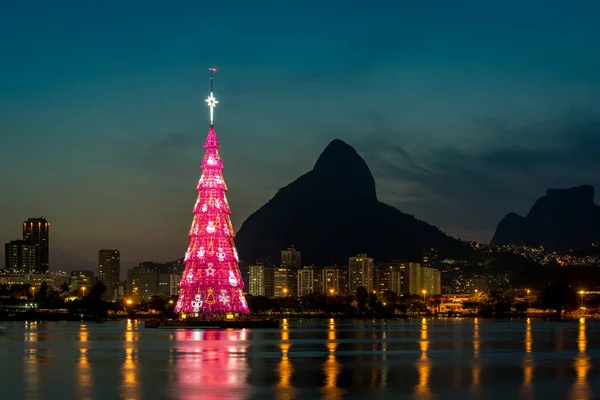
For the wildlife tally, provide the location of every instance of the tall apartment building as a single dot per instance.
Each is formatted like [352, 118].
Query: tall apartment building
[361, 273]
[309, 281]
[168, 283]
[418, 278]
[390, 276]
[429, 258]
[109, 271]
[291, 258]
[431, 280]
[142, 281]
[281, 282]
[36, 232]
[261, 280]
[334, 281]
[20, 257]
[286, 276]
[412, 278]
[382, 278]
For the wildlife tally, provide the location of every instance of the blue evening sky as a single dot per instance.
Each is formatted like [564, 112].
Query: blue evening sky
[464, 110]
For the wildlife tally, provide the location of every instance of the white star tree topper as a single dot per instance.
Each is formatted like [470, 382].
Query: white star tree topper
[211, 100]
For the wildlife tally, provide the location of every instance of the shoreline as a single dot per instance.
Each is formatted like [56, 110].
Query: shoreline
[54, 317]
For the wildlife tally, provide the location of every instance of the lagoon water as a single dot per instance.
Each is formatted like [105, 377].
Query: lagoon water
[407, 359]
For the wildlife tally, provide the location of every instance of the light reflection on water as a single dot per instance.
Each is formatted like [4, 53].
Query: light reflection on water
[476, 368]
[129, 386]
[528, 363]
[211, 363]
[331, 367]
[31, 362]
[423, 364]
[285, 369]
[331, 359]
[582, 365]
[84, 369]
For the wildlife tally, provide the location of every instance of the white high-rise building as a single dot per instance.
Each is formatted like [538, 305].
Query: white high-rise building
[361, 272]
[334, 281]
[261, 279]
[308, 281]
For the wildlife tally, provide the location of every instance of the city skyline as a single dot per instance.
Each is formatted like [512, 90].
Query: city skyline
[112, 125]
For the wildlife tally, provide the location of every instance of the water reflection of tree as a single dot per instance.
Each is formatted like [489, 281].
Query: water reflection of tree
[210, 365]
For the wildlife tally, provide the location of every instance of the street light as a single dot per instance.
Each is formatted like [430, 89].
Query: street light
[424, 293]
[581, 293]
[83, 291]
[284, 292]
[331, 291]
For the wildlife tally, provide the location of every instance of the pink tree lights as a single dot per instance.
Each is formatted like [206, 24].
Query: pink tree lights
[211, 283]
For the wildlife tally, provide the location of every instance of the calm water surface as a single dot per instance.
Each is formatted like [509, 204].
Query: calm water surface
[410, 359]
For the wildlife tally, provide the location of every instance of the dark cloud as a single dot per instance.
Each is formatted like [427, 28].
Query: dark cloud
[467, 190]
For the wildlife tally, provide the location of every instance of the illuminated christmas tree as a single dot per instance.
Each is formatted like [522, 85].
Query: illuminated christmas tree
[211, 283]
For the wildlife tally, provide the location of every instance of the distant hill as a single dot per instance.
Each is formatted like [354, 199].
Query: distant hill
[561, 220]
[592, 249]
[332, 212]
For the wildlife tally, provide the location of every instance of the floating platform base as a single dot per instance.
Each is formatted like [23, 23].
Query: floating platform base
[196, 324]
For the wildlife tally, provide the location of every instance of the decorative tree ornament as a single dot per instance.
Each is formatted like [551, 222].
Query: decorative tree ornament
[232, 279]
[210, 228]
[179, 304]
[211, 260]
[210, 297]
[210, 271]
[196, 303]
[224, 297]
[242, 299]
[221, 254]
